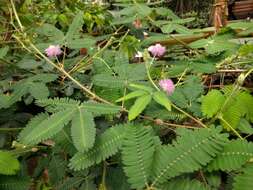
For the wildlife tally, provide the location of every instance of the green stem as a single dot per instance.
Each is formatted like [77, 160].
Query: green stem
[232, 129]
[16, 16]
[148, 66]
[10, 129]
[188, 115]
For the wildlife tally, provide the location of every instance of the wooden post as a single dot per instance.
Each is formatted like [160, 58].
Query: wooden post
[220, 14]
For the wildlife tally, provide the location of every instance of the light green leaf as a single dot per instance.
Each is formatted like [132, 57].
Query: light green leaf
[141, 87]
[139, 105]
[211, 103]
[9, 165]
[4, 51]
[162, 98]
[168, 28]
[182, 29]
[132, 95]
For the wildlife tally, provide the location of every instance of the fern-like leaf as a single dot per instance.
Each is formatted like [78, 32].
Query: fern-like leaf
[9, 165]
[14, 183]
[57, 104]
[189, 153]
[56, 169]
[38, 90]
[244, 181]
[235, 154]
[246, 102]
[36, 120]
[183, 184]
[105, 80]
[47, 128]
[70, 183]
[105, 146]
[137, 154]
[83, 130]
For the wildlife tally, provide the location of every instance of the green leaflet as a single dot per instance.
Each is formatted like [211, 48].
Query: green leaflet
[83, 130]
[38, 90]
[232, 116]
[106, 80]
[14, 183]
[74, 27]
[70, 183]
[4, 51]
[141, 87]
[131, 95]
[100, 108]
[183, 184]
[244, 180]
[9, 165]
[211, 103]
[245, 127]
[162, 98]
[56, 169]
[137, 154]
[58, 104]
[139, 105]
[168, 28]
[105, 146]
[53, 33]
[234, 155]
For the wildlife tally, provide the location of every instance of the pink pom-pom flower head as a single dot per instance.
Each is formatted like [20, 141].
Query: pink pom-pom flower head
[157, 50]
[167, 85]
[53, 51]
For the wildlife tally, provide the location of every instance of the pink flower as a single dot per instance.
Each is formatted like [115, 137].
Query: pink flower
[53, 51]
[167, 85]
[157, 50]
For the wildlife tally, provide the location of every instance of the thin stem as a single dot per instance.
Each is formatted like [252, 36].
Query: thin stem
[149, 76]
[188, 115]
[180, 78]
[10, 129]
[16, 16]
[163, 123]
[230, 127]
[103, 184]
[203, 178]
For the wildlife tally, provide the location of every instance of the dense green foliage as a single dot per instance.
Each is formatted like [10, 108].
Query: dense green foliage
[108, 113]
